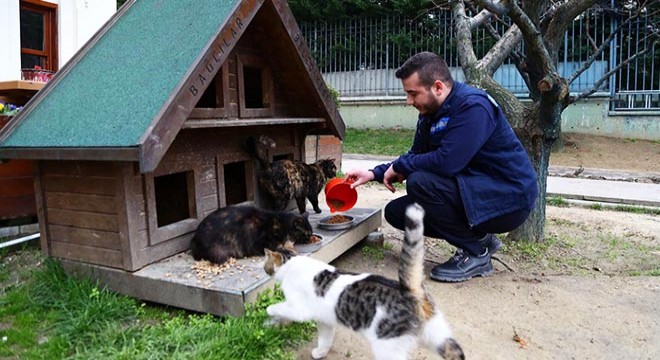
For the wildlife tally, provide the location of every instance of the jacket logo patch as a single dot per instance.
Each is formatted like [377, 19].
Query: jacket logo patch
[439, 125]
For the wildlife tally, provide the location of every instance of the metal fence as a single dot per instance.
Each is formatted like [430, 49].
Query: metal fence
[359, 57]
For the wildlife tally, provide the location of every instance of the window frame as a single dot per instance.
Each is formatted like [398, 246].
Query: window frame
[50, 51]
[168, 232]
[266, 87]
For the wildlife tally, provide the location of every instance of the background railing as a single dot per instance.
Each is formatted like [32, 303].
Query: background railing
[358, 57]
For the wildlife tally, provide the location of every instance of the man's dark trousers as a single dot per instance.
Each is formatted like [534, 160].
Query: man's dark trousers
[445, 214]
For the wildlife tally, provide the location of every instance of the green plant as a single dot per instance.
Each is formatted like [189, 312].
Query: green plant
[596, 206]
[652, 272]
[335, 95]
[530, 250]
[53, 316]
[373, 252]
[9, 109]
[391, 142]
[557, 201]
[637, 209]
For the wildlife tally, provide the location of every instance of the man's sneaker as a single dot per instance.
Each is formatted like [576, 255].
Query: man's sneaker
[463, 266]
[492, 243]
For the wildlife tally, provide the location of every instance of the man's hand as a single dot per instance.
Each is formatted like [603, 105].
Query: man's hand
[392, 177]
[358, 177]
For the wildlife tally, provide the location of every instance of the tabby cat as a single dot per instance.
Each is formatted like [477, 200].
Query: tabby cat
[239, 231]
[392, 315]
[285, 180]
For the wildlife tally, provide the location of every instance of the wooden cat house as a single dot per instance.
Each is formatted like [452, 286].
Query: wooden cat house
[142, 134]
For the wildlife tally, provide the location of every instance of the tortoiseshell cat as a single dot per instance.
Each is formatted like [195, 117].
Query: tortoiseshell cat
[239, 231]
[393, 316]
[285, 180]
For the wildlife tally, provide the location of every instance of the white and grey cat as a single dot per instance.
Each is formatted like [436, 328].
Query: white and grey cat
[393, 315]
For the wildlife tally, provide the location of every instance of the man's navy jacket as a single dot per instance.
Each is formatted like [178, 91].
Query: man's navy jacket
[469, 139]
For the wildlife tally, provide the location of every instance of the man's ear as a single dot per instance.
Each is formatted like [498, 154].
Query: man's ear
[438, 87]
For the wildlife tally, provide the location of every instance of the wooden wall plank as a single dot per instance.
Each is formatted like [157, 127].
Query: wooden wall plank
[19, 206]
[16, 168]
[80, 168]
[94, 255]
[84, 220]
[79, 185]
[41, 210]
[85, 237]
[16, 187]
[208, 204]
[83, 202]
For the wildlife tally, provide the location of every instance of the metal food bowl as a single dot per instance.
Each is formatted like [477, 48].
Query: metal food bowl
[308, 248]
[325, 223]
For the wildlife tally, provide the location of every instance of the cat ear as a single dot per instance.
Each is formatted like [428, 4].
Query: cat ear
[289, 245]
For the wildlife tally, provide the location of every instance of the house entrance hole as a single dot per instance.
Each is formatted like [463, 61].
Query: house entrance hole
[235, 183]
[173, 202]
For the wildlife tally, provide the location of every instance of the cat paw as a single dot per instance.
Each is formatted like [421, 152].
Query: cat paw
[318, 211]
[320, 353]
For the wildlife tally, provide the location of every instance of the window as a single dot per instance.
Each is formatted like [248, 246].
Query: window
[236, 179]
[254, 92]
[38, 35]
[235, 184]
[173, 202]
[255, 87]
[214, 102]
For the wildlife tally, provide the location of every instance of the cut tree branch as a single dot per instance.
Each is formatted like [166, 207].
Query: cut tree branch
[606, 76]
[533, 40]
[501, 50]
[606, 43]
[466, 54]
[498, 7]
[480, 19]
[561, 18]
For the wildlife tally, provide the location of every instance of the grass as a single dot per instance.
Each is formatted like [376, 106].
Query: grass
[557, 201]
[529, 250]
[373, 252]
[50, 315]
[390, 142]
[376, 253]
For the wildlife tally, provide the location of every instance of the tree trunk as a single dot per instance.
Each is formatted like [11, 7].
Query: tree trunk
[538, 151]
[541, 129]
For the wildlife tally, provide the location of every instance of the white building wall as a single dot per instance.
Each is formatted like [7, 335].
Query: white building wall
[77, 21]
[10, 52]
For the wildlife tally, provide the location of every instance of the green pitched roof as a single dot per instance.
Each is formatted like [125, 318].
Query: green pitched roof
[109, 96]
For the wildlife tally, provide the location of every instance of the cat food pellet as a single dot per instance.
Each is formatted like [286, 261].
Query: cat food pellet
[338, 219]
[314, 239]
[336, 204]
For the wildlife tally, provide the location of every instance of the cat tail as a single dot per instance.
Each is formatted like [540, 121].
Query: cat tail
[437, 336]
[259, 147]
[436, 333]
[411, 263]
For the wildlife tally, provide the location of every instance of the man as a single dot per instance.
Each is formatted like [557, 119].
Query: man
[466, 168]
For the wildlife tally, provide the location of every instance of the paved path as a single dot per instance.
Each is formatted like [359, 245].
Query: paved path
[590, 185]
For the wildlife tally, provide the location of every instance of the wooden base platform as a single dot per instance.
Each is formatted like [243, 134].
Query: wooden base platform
[174, 281]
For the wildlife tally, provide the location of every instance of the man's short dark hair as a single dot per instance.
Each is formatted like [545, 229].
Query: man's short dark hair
[429, 66]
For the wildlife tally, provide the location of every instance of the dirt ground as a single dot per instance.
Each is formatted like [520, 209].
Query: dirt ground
[591, 292]
[601, 152]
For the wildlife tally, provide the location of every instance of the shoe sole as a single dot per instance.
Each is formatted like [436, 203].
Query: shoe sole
[483, 271]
